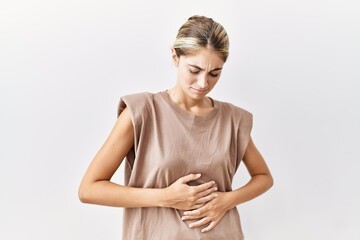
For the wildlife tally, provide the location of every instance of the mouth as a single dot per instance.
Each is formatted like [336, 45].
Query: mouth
[199, 90]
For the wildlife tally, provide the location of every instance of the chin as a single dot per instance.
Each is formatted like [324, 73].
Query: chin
[194, 91]
[198, 95]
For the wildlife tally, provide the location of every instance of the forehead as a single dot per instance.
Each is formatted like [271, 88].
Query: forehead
[204, 58]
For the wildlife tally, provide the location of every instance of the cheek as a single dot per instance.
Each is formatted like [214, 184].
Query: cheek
[213, 82]
[187, 78]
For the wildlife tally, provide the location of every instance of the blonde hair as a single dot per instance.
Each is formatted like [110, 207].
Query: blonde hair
[201, 32]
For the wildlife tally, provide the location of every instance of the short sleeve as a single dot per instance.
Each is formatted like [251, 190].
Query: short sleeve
[138, 105]
[244, 132]
[130, 102]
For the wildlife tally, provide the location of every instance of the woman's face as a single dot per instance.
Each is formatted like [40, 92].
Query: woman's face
[198, 73]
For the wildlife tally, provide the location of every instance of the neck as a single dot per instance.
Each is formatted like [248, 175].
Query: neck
[197, 106]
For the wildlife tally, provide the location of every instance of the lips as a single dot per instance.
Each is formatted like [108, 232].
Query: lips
[200, 90]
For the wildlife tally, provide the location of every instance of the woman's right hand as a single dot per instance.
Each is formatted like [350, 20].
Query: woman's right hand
[181, 196]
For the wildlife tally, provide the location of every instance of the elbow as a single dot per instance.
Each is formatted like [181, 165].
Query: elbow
[83, 194]
[270, 181]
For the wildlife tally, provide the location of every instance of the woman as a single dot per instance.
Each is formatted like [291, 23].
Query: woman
[182, 150]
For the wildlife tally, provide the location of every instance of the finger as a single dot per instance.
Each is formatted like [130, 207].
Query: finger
[196, 212]
[207, 198]
[199, 223]
[190, 177]
[196, 207]
[207, 192]
[209, 227]
[204, 186]
[186, 218]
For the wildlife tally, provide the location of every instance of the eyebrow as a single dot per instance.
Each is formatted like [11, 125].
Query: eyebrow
[197, 67]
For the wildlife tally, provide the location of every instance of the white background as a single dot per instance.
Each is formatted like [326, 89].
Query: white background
[64, 65]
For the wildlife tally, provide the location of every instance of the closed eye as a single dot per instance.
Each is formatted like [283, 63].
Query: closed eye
[211, 74]
[194, 72]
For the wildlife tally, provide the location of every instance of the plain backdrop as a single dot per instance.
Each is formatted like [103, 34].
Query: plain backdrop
[64, 65]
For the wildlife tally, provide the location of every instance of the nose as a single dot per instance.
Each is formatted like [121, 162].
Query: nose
[203, 81]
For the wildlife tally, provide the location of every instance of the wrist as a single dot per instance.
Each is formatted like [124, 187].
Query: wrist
[231, 200]
[162, 197]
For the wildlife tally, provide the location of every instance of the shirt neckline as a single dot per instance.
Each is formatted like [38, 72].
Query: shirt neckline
[188, 115]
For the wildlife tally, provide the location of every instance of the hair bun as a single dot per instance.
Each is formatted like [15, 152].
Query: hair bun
[198, 17]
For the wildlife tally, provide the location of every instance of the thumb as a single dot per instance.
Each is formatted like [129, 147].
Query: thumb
[190, 177]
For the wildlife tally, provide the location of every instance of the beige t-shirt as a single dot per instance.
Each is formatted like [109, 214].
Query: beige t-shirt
[170, 143]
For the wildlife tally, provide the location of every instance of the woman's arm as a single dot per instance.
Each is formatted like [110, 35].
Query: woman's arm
[261, 180]
[96, 187]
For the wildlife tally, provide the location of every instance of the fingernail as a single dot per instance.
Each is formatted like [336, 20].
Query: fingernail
[190, 226]
[182, 218]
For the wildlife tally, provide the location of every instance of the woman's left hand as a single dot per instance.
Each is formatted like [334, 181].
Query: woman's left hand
[210, 214]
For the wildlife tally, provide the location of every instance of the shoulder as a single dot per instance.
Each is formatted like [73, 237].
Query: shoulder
[136, 102]
[235, 111]
[138, 97]
[241, 118]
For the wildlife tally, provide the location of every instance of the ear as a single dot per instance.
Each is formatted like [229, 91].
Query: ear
[174, 57]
